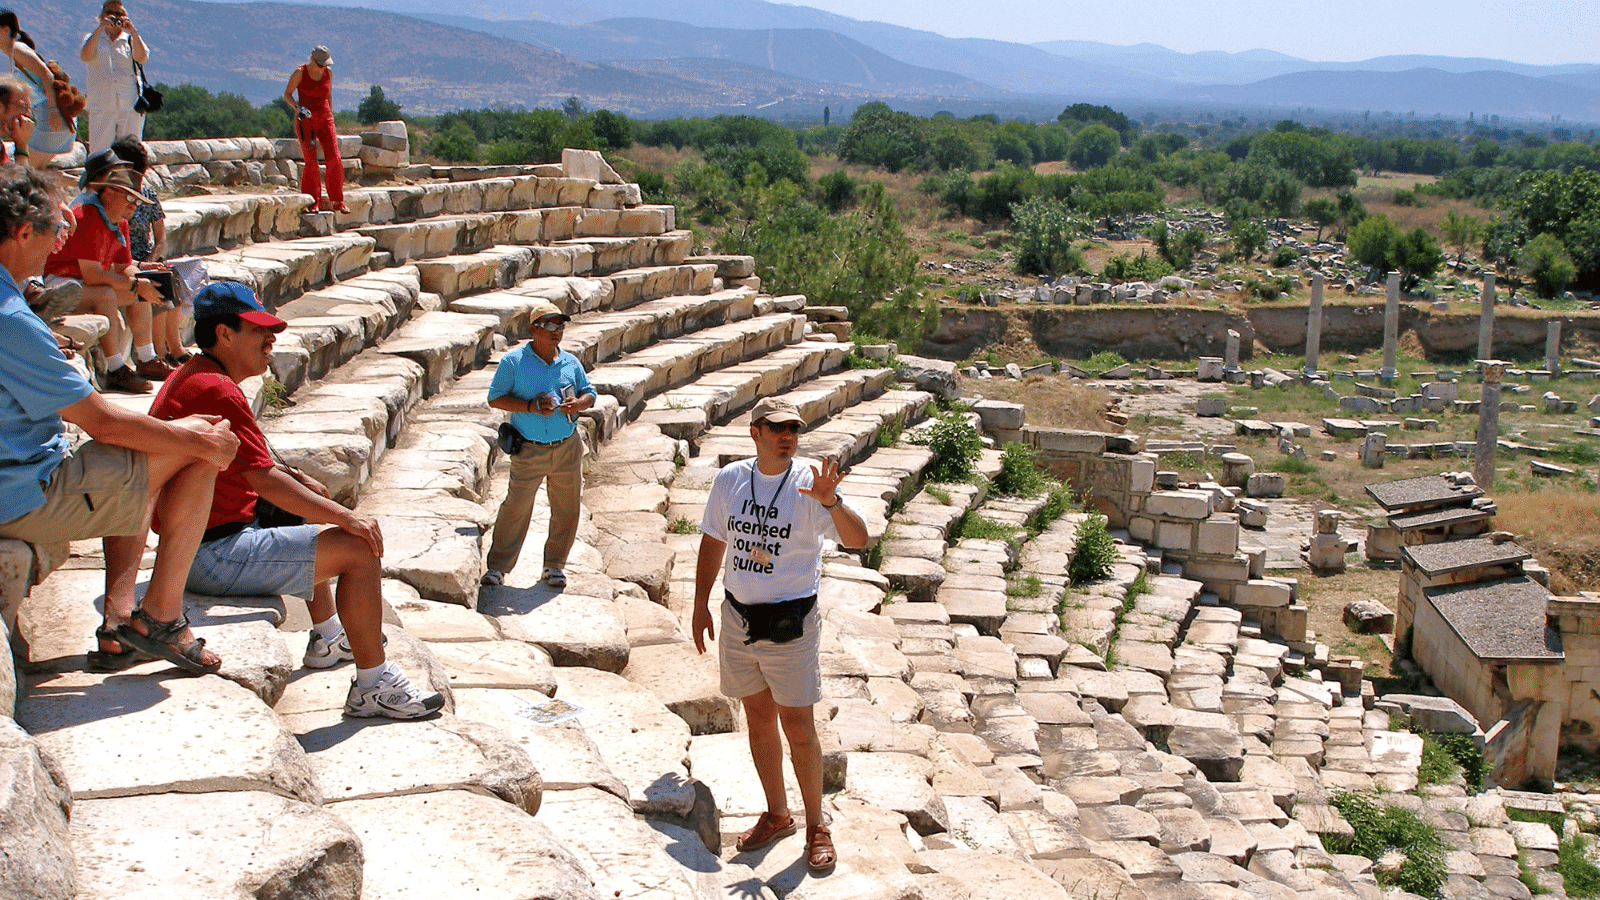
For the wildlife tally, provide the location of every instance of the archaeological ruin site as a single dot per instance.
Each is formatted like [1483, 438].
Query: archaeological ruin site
[1171, 727]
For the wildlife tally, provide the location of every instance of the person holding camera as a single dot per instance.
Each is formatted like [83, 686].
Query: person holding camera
[774, 516]
[110, 51]
[543, 388]
[313, 125]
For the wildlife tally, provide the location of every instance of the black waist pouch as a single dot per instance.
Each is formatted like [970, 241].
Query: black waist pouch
[510, 439]
[779, 622]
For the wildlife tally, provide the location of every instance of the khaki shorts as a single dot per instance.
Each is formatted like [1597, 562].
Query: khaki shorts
[98, 490]
[793, 671]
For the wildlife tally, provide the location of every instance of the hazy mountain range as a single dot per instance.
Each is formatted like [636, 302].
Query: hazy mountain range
[677, 57]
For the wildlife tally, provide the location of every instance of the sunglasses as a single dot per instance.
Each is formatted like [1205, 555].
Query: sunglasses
[777, 427]
[552, 325]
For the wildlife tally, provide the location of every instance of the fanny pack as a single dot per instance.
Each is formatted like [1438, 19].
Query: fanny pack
[510, 439]
[779, 623]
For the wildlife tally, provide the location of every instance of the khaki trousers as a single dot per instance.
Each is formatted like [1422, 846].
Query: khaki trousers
[560, 468]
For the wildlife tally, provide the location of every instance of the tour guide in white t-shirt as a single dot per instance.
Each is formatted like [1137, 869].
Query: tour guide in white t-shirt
[773, 515]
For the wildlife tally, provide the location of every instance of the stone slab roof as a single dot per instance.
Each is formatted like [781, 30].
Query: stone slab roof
[1500, 620]
[1421, 493]
[1436, 518]
[1453, 556]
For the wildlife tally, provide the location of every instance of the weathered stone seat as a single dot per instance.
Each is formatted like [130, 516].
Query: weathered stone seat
[281, 270]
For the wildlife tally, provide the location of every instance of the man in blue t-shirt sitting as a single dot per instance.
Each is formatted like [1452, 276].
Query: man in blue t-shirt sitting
[51, 490]
[543, 388]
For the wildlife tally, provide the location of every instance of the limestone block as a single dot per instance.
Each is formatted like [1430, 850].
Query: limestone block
[588, 165]
[1218, 752]
[1265, 484]
[617, 850]
[1262, 592]
[254, 844]
[1368, 617]
[1211, 407]
[471, 839]
[165, 738]
[687, 682]
[575, 630]
[900, 782]
[645, 744]
[1181, 504]
[984, 876]
[566, 756]
[35, 801]
[511, 665]
[1218, 535]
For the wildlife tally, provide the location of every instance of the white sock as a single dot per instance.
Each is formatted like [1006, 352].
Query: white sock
[115, 362]
[144, 352]
[366, 678]
[329, 629]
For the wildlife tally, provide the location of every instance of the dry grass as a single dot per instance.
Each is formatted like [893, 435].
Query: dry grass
[1050, 402]
[1557, 526]
[1325, 598]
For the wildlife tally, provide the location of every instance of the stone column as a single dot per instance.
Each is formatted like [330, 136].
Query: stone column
[1373, 449]
[1391, 328]
[1486, 319]
[1230, 352]
[1314, 326]
[1491, 371]
[1552, 347]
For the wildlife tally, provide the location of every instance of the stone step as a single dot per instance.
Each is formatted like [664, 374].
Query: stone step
[671, 363]
[280, 270]
[328, 327]
[605, 335]
[445, 344]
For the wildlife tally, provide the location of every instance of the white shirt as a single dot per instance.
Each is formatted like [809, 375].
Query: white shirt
[110, 82]
[774, 535]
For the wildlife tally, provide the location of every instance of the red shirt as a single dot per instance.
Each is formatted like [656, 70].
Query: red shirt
[200, 387]
[92, 240]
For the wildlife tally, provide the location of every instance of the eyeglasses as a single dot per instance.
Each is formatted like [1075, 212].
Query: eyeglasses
[552, 325]
[777, 427]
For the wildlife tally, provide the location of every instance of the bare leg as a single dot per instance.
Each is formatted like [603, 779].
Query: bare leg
[321, 605]
[766, 750]
[160, 328]
[174, 332]
[360, 593]
[100, 300]
[138, 315]
[805, 752]
[179, 485]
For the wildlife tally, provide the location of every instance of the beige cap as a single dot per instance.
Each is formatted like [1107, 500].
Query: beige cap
[320, 55]
[544, 309]
[775, 409]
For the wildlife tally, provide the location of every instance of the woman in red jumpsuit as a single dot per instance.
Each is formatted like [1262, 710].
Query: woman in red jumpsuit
[314, 122]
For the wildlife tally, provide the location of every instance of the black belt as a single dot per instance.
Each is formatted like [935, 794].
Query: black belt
[549, 443]
[225, 530]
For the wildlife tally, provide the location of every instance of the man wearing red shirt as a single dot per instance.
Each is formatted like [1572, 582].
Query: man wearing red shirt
[240, 557]
[97, 256]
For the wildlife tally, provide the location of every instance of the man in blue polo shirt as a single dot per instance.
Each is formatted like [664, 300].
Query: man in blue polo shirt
[543, 388]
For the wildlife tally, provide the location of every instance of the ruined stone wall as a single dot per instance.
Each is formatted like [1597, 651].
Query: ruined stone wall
[1454, 668]
[1184, 332]
[1578, 618]
[1507, 745]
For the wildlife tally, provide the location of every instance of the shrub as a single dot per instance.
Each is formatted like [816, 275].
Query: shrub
[956, 446]
[1581, 875]
[1058, 502]
[1019, 475]
[1045, 233]
[1127, 267]
[1104, 361]
[1443, 755]
[1290, 465]
[1378, 830]
[1548, 263]
[1285, 256]
[1095, 552]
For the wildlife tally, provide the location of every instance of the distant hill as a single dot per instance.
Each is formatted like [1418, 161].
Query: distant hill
[750, 55]
[1424, 91]
[822, 56]
[252, 48]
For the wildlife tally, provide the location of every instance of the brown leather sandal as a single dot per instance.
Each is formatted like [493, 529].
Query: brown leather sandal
[820, 856]
[766, 830]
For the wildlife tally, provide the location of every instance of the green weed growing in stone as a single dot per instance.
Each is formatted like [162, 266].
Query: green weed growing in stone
[956, 446]
[682, 525]
[889, 432]
[1290, 465]
[1582, 876]
[1019, 475]
[1055, 505]
[1028, 586]
[1378, 829]
[1444, 755]
[1095, 552]
[937, 493]
[972, 525]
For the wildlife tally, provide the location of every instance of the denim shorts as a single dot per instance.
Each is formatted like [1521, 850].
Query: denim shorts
[257, 562]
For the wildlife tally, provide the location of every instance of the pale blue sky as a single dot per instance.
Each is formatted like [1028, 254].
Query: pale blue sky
[1529, 31]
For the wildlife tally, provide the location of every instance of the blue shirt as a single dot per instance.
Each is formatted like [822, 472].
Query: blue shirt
[525, 376]
[36, 383]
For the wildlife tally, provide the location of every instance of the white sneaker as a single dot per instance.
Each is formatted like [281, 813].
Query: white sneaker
[321, 654]
[392, 696]
[493, 577]
[555, 578]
